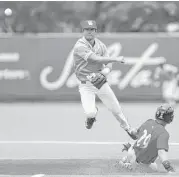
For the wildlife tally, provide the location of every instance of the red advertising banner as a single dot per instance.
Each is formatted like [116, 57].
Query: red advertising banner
[40, 68]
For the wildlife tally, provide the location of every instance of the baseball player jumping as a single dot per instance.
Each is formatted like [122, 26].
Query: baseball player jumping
[92, 64]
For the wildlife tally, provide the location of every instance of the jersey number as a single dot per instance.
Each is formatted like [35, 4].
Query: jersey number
[144, 140]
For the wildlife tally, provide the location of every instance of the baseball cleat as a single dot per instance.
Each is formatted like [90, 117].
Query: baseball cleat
[90, 122]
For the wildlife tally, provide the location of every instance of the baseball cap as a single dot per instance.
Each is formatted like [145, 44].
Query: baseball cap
[88, 24]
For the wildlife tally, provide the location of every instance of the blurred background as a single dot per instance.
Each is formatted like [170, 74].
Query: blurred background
[112, 17]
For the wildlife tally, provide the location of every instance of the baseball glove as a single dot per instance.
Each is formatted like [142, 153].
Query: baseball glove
[97, 79]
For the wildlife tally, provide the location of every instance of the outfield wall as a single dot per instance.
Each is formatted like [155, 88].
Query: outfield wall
[40, 68]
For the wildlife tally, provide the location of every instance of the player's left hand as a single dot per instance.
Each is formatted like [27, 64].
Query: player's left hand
[172, 171]
[97, 79]
[126, 146]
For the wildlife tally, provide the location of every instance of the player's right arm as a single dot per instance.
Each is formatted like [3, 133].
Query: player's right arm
[163, 146]
[88, 55]
[105, 59]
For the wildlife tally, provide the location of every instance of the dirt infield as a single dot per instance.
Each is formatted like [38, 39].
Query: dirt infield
[72, 167]
[56, 131]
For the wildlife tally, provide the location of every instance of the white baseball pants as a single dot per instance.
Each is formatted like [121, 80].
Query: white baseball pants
[88, 93]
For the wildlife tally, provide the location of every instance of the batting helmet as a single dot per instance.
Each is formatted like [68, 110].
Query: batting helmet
[88, 24]
[165, 113]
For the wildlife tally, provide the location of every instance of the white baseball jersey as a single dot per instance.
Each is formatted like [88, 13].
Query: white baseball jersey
[82, 50]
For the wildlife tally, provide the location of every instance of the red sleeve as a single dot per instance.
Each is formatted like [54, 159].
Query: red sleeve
[162, 141]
